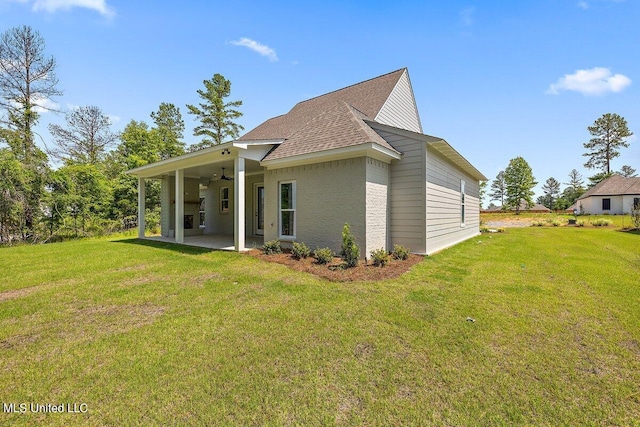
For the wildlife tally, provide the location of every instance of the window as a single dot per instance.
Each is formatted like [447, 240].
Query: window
[224, 199]
[288, 210]
[636, 202]
[462, 203]
[201, 211]
[606, 204]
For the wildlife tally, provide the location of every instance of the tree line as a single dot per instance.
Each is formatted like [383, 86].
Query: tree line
[90, 193]
[513, 187]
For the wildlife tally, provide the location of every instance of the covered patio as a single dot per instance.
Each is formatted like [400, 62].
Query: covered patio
[222, 242]
[211, 198]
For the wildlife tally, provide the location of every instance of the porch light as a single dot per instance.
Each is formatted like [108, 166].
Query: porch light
[226, 151]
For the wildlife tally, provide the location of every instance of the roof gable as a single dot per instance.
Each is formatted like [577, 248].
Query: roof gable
[400, 110]
[315, 124]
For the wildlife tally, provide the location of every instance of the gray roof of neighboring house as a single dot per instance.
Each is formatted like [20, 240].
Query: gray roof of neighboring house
[615, 185]
[329, 121]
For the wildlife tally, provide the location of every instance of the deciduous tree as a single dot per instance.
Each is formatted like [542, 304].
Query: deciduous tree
[519, 183]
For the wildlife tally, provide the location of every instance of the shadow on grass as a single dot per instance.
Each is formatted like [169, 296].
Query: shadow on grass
[183, 249]
[635, 231]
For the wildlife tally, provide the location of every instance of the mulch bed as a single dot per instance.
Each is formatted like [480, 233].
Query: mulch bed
[333, 272]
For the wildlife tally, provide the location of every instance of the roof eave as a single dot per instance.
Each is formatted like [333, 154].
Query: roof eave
[369, 149]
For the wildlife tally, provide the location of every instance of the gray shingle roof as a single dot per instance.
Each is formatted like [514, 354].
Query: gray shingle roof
[329, 121]
[614, 186]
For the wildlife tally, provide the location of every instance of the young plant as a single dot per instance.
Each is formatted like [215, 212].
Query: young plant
[400, 252]
[350, 251]
[300, 250]
[380, 257]
[272, 247]
[323, 255]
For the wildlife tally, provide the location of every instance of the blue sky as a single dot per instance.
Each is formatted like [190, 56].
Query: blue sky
[495, 79]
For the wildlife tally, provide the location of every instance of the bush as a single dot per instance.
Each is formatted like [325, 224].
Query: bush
[538, 223]
[300, 250]
[272, 247]
[555, 222]
[323, 255]
[400, 252]
[601, 222]
[380, 257]
[350, 251]
[580, 223]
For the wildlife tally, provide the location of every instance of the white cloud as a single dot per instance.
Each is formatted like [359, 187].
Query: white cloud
[114, 119]
[466, 16]
[595, 81]
[40, 104]
[583, 5]
[260, 48]
[53, 6]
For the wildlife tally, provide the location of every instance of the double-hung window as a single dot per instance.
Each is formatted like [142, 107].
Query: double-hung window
[287, 210]
[224, 199]
[606, 204]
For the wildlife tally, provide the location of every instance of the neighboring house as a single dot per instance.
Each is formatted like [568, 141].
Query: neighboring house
[614, 195]
[537, 208]
[356, 155]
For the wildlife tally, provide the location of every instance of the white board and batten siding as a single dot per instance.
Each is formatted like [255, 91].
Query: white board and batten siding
[399, 110]
[444, 225]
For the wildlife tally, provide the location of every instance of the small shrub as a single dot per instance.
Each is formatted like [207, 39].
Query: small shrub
[380, 257]
[580, 223]
[635, 215]
[537, 223]
[555, 222]
[272, 247]
[501, 230]
[323, 255]
[300, 250]
[601, 222]
[400, 252]
[350, 251]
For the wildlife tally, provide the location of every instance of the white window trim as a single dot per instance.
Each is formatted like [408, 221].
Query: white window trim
[222, 211]
[280, 210]
[463, 203]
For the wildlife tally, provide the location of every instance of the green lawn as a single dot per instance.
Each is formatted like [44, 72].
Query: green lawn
[158, 334]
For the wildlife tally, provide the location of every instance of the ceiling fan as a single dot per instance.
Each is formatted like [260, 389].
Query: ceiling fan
[224, 177]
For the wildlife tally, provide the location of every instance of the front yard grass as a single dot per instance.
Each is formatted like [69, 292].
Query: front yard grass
[160, 334]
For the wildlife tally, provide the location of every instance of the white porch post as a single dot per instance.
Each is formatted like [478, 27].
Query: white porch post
[141, 207]
[238, 204]
[179, 226]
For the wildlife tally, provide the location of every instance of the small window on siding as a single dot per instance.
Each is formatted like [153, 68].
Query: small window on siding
[224, 199]
[287, 208]
[462, 203]
[606, 204]
[636, 202]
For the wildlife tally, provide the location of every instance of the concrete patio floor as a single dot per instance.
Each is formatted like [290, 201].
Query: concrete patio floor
[223, 242]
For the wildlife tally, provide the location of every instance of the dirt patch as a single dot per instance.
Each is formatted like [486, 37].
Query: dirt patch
[18, 293]
[334, 272]
[510, 223]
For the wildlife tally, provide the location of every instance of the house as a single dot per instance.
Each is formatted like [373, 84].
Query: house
[356, 155]
[615, 195]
